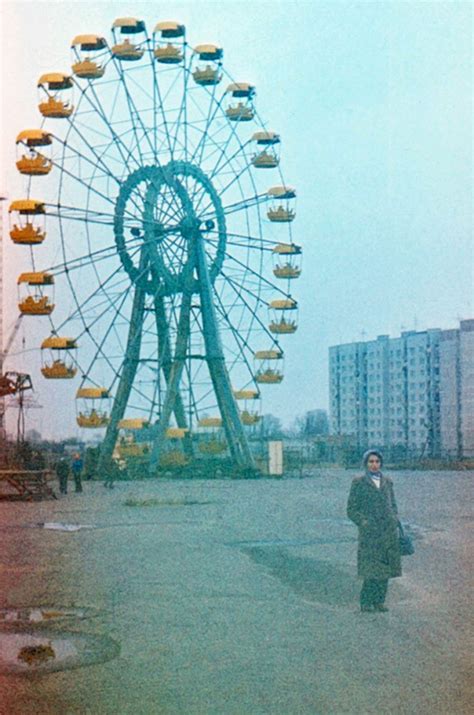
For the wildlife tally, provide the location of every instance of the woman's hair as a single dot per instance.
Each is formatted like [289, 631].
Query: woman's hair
[365, 458]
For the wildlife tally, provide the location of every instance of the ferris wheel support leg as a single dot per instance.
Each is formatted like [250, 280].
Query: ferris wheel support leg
[164, 352]
[176, 369]
[130, 364]
[234, 431]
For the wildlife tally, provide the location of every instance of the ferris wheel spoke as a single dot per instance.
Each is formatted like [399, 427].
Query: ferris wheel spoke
[257, 275]
[91, 296]
[135, 115]
[183, 113]
[98, 110]
[239, 290]
[238, 336]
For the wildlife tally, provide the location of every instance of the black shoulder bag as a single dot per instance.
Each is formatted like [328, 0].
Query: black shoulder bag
[406, 544]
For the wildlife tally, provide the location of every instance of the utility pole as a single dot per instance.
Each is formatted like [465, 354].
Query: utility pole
[2, 355]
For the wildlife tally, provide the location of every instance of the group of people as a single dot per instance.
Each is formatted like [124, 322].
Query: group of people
[73, 466]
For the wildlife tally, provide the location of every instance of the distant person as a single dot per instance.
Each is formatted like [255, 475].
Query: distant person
[77, 467]
[62, 470]
[372, 508]
[37, 461]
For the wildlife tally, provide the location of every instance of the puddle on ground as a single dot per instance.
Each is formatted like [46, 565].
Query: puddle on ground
[34, 615]
[35, 653]
[61, 526]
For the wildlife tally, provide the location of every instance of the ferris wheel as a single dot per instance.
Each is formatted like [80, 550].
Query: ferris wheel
[156, 210]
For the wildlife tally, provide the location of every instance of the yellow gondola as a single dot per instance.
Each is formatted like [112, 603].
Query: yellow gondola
[88, 69]
[240, 113]
[267, 374]
[281, 215]
[265, 160]
[168, 55]
[36, 303]
[134, 423]
[249, 418]
[57, 368]
[210, 422]
[269, 377]
[28, 234]
[85, 67]
[37, 165]
[207, 76]
[92, 418]
[283, 327]
[25, 232]
[281, 210]
[127, 51]
[287, 271]
[55, 108]
[177, 432]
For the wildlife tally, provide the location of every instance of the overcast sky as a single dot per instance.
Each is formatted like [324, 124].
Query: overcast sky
[373, 103]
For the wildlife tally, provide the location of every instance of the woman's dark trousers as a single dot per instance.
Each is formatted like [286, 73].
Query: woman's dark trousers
[373, 592]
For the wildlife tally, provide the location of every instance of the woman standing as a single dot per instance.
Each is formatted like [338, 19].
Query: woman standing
[373, 510]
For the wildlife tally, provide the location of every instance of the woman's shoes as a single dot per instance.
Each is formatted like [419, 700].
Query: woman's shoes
[380, 608]
[367, 609]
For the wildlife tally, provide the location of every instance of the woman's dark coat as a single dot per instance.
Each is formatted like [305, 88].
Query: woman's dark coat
[374, 511]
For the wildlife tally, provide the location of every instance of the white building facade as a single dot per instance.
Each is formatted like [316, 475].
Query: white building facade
[414, 392]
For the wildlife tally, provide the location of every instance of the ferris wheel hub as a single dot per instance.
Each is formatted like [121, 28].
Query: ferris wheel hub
[167, 201]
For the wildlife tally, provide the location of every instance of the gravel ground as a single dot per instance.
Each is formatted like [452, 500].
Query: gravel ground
[239, 598]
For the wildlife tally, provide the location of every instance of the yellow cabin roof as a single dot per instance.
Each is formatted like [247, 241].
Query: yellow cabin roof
[55, 80]
[285, 304]
[129, 24]
[29, 205]
[266, 137]
[246, 394]
[287, 248]
[176, 432]
[133, 423]
[268, 355]
[89, 42]
[209, 52]
[92, 393]
[282, 192]
[170, 28]
[36, 279]
[34, 137]
[210, 422]
[54, 342]
[240, 89]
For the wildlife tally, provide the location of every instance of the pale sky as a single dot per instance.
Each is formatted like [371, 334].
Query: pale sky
[373, 104]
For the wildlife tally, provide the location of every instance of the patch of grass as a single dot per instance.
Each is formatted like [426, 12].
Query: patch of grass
[160, 502]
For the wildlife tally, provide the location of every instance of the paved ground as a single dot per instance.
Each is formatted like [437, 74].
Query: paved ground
[240, 598]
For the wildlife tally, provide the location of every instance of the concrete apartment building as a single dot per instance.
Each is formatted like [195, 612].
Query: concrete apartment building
[420, 388]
